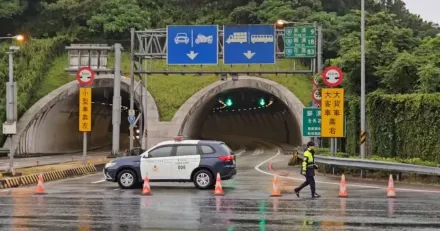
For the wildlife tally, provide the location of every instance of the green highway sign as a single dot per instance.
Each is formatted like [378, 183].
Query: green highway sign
[311, 122]
[300, 42]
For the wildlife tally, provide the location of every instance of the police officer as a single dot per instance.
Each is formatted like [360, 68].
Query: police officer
[308, 170]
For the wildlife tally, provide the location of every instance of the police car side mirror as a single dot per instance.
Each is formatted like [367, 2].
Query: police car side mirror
[145, 156]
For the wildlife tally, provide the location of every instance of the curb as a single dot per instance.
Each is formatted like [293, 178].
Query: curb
[47, 176]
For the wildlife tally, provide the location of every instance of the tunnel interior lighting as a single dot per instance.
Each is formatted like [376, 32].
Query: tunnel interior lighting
[228, 102]
[262, 102]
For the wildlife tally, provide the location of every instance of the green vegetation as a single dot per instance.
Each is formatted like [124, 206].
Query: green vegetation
[30, 67]
[402, 54]
[405, 126]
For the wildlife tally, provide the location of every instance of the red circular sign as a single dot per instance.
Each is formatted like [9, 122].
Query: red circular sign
[332, 76]
[316, 95]
[85, 76]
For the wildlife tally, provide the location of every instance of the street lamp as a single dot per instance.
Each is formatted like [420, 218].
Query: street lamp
[16, 37]
[281, 22]
[10, 126]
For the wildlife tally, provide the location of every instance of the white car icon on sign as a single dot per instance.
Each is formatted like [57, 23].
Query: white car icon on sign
[181, 38]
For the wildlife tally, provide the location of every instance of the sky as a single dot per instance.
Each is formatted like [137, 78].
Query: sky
[427, 9]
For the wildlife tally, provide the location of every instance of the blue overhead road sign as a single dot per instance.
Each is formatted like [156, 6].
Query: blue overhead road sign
[192, 45]
[249, 44]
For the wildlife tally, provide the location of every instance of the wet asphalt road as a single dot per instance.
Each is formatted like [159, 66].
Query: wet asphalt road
[88, 203]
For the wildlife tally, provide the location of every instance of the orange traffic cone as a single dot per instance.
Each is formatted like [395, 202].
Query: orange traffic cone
[275, 187]
[40, 188]
[146, 189]
[391, 192]
[218, 191]
[343, 187]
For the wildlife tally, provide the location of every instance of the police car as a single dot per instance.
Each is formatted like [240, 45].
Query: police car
[179, 160]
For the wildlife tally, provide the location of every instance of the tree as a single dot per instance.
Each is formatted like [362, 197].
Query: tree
[115, 17]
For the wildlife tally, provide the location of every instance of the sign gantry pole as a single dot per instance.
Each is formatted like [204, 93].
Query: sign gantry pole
[85, 77]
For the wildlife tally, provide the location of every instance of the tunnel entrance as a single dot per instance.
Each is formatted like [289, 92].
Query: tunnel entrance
[244, 112]
[51, 125]
[58, 127]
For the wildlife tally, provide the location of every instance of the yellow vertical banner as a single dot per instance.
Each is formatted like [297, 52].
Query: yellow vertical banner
[332, 112]
[85, 109]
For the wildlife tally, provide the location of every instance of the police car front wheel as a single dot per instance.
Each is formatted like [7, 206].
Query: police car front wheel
[203, 179]
[127, 179]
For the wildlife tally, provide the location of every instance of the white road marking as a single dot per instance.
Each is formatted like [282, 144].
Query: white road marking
[98, 181]
[116, 189]
[241, 152]
[257, 167]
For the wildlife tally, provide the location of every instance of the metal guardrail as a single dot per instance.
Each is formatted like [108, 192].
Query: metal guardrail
[376, 165]
[4, 152]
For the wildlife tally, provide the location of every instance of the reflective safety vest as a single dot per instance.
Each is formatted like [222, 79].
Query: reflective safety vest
[308, 164]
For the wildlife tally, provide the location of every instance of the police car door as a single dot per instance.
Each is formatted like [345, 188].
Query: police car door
[157, 164]
[186, 160]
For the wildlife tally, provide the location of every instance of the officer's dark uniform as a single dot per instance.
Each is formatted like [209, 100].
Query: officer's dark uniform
[308, 170]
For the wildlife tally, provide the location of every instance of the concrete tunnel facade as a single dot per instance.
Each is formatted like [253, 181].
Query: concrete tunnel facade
[39, 129]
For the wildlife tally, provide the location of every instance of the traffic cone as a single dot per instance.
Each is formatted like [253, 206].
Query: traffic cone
[343, 187]
[146, 189]
[218, 191]
[40, 188]
[275, 187]
[391, 192]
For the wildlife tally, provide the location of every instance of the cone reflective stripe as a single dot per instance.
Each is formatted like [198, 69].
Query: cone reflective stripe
[275, 187]
[146, 189]
[391, 192]
[343, 187]
[40, 188]
[218, 186]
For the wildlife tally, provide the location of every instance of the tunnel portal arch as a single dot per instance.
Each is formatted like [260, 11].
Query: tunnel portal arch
[187, 118]
[24, 142]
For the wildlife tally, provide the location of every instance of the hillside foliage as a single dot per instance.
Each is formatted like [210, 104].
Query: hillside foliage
[402, 50]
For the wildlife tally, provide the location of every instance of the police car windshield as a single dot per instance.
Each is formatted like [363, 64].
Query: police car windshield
[226, 148]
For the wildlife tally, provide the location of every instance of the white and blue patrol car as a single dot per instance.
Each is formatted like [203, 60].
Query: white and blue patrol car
[179, 160]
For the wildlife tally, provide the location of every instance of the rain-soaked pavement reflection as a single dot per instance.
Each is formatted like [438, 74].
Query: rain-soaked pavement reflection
[27, 212]
[79, 204]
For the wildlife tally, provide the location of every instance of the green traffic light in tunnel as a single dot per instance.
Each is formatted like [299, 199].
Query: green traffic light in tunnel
[262, 102]
[228, 102]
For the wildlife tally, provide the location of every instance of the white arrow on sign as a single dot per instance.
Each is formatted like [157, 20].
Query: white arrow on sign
[192, 55]
[249, 54]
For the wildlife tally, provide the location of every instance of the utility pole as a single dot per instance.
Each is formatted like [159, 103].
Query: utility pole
[132, 87]
[116, 116]
[362, 146]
